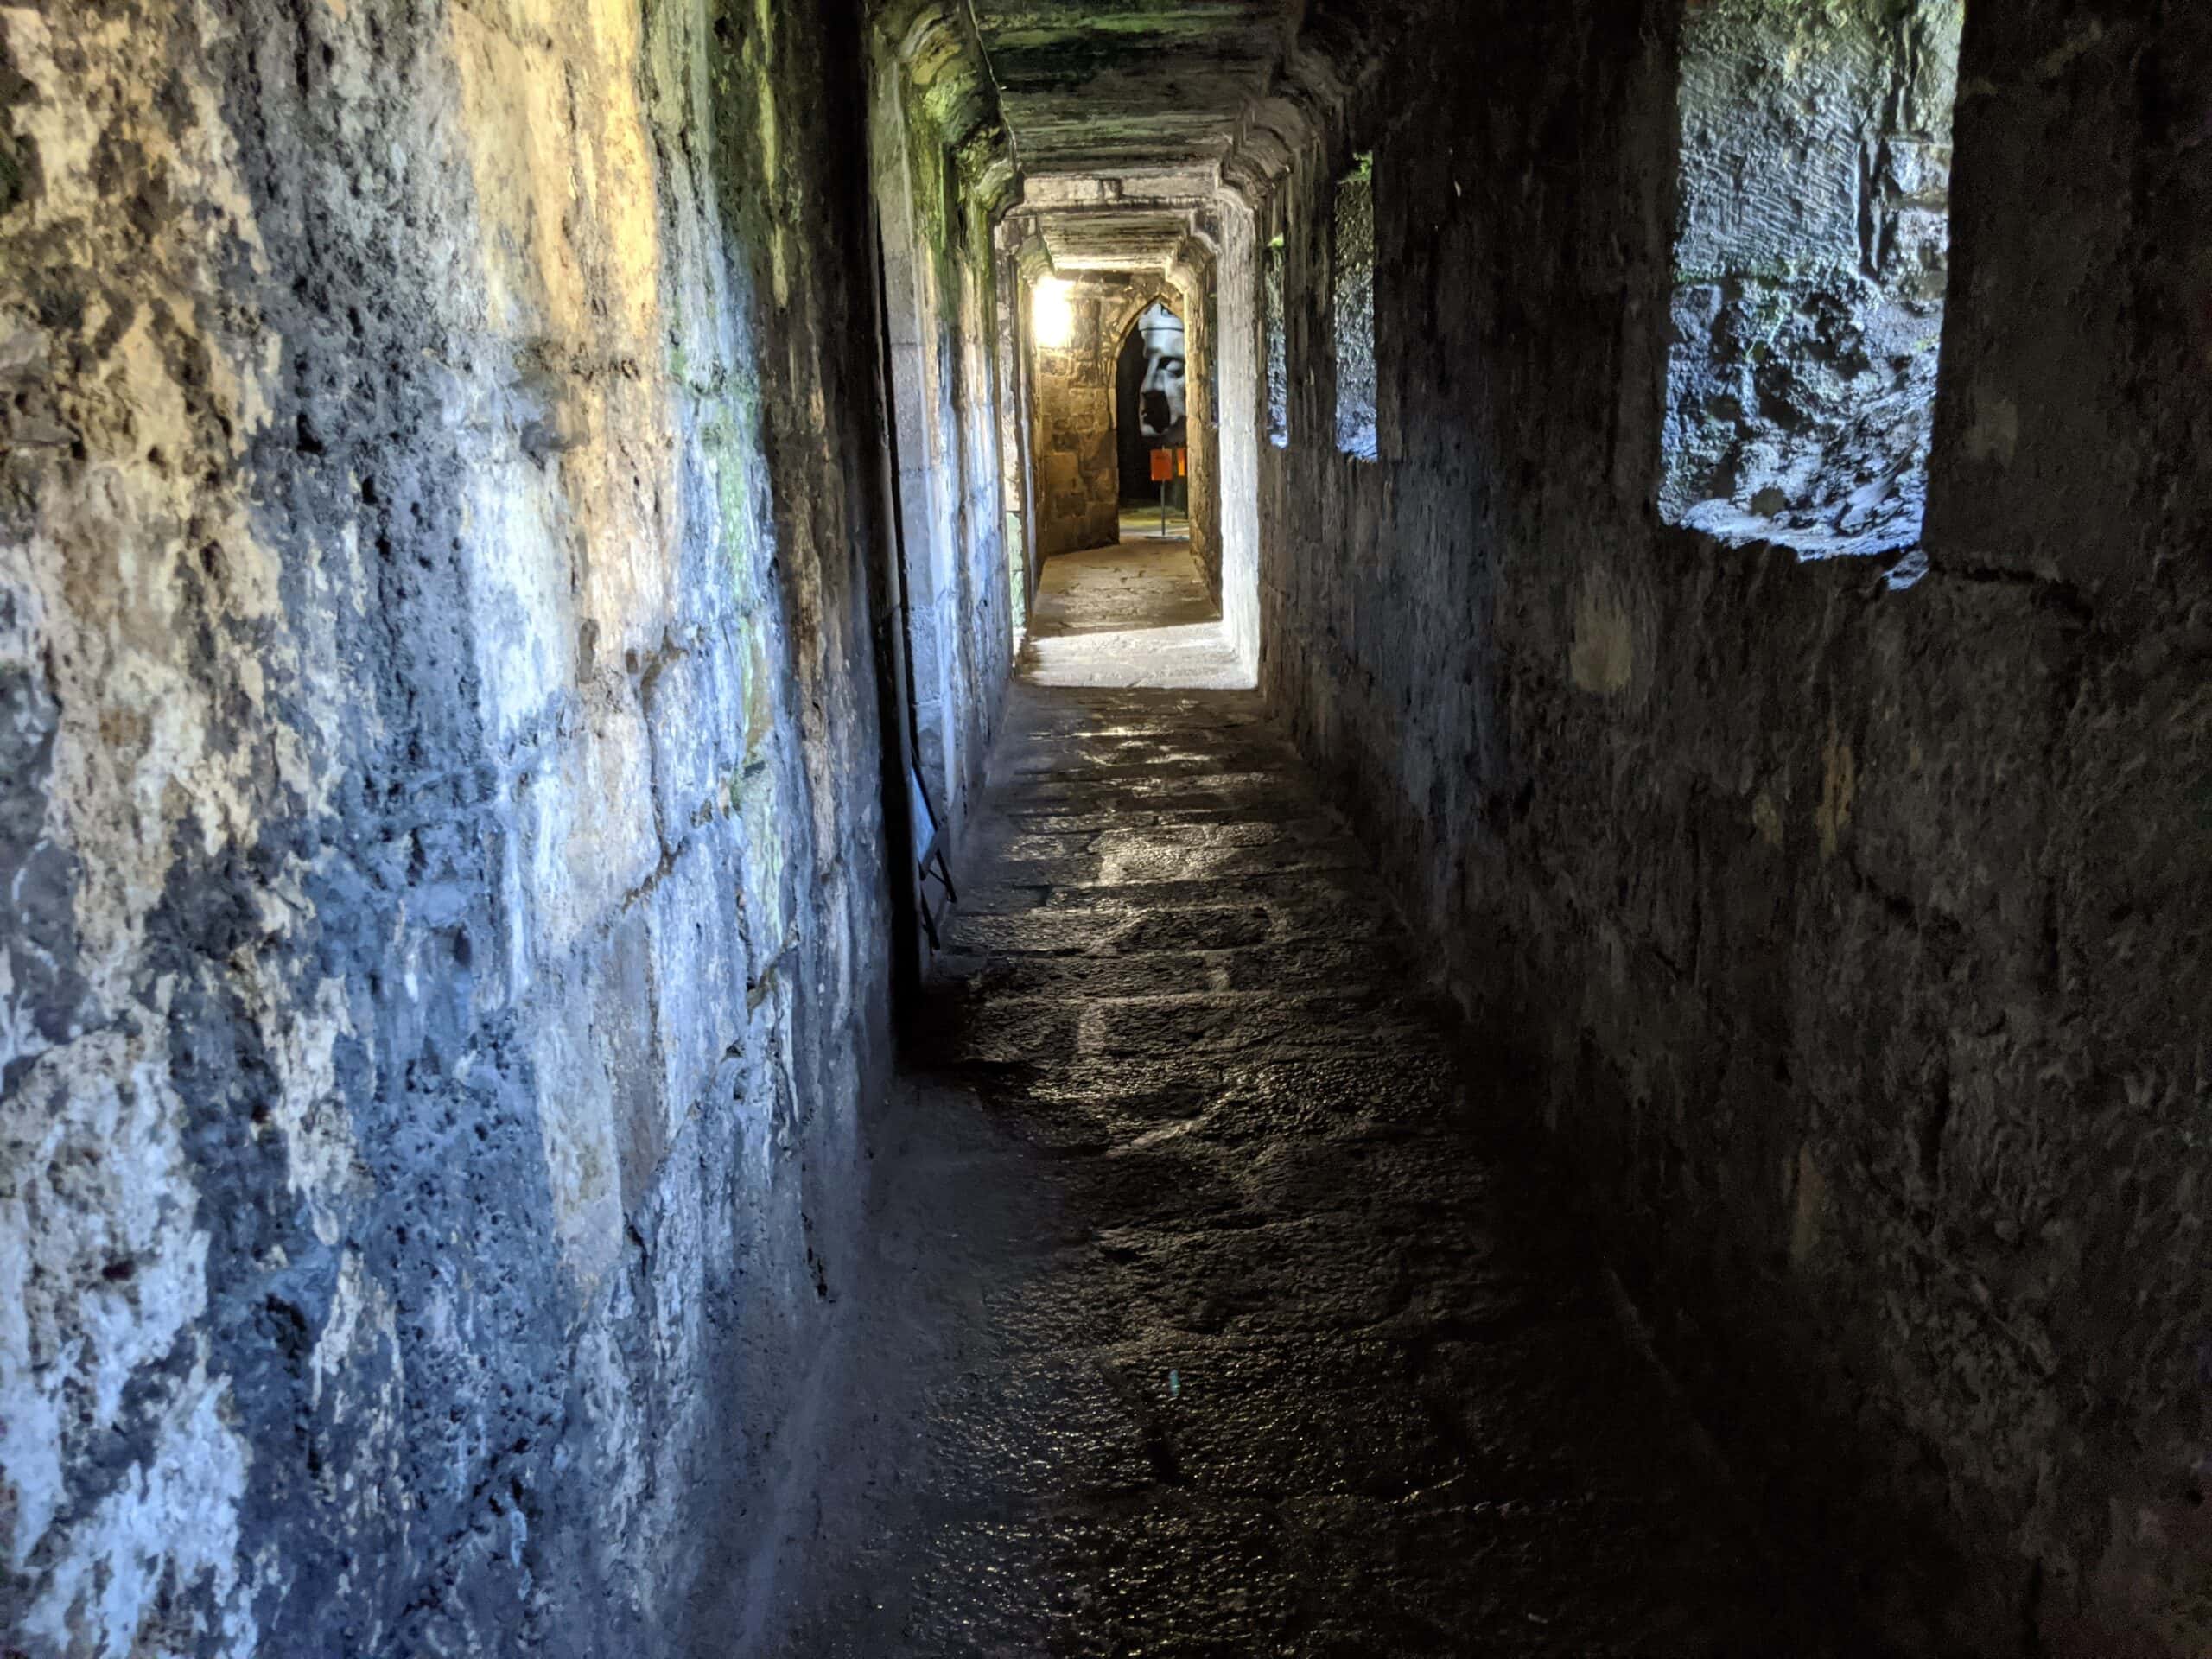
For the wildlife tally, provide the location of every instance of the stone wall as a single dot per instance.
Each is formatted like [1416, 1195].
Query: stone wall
[1849, 916]
[1351, 308]
[1225, 488]
[1079, 490]
[931, 163]
[1078, 483]
[1196, 287]
[1810, 261]
[440, 573]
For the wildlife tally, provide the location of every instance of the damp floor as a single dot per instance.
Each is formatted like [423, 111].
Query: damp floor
[1218, 1303]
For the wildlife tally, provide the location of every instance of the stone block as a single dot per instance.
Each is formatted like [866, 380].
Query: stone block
[699, 967]
[585, 826]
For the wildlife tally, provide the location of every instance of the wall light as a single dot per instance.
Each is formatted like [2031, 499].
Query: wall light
[1052, 313]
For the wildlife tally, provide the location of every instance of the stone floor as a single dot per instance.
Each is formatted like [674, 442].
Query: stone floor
[1135, 614]
[1217, 1305]
[1141, 522]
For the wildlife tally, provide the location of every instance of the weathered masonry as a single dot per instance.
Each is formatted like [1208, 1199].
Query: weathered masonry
[443, 634]
[518, 524]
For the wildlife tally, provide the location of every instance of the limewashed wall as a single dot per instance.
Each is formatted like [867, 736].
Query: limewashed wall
[445, 954]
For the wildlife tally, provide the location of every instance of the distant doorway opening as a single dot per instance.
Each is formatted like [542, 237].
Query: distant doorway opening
[1151, 413]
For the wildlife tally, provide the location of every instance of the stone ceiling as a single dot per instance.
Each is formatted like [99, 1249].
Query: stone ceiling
[1139, 239]
[1136, 220]
[1127, 118]
[1098, 86]
[1122, 110]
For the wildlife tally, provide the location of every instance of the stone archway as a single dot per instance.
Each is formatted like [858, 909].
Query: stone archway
[1140, 404]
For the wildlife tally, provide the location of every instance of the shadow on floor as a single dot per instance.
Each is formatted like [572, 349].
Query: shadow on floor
[1216, 1300]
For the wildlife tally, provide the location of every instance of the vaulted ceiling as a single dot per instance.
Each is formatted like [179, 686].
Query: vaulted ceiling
[1101, 86]
[1127, 118]
[1121, 110]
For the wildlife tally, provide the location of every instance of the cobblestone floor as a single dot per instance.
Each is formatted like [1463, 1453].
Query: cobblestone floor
[1217, 1308]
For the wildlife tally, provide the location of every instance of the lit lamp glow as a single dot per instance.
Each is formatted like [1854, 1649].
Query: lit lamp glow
[1052, 313]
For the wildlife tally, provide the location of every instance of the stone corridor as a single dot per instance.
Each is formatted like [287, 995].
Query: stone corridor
[1562, 655]
[1221, 1302]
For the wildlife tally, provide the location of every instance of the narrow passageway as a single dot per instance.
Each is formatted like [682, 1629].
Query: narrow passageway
[675, 985]
[1212, 1307]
